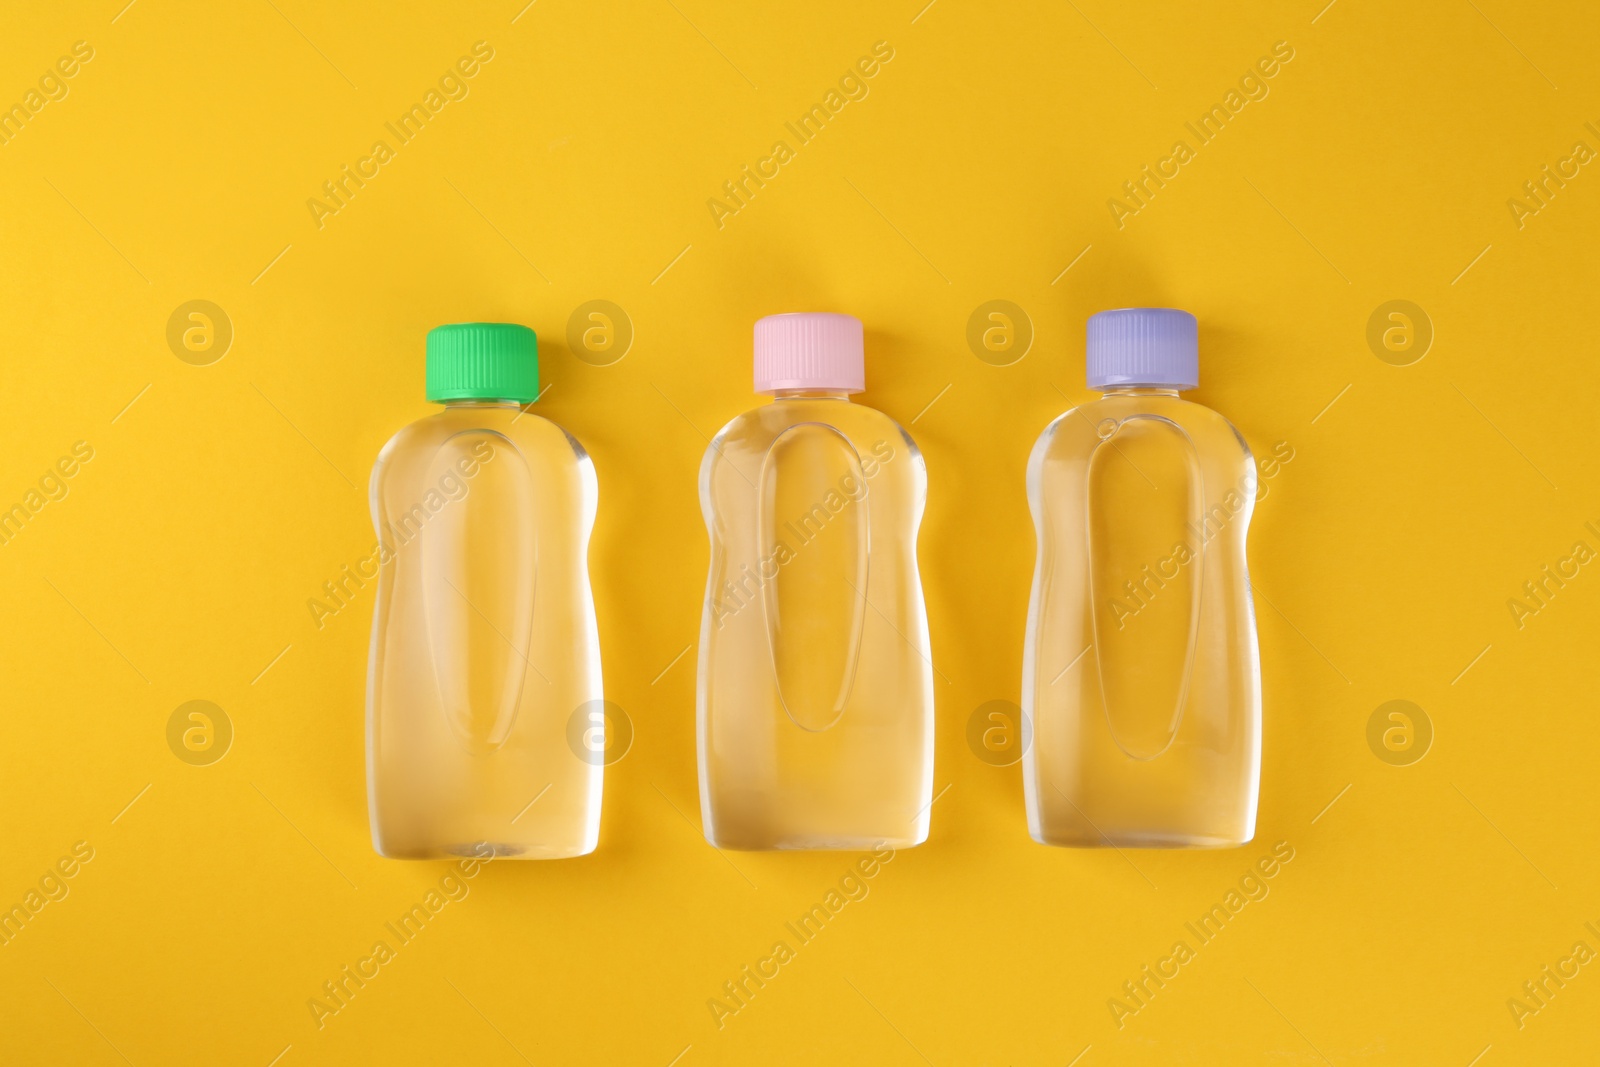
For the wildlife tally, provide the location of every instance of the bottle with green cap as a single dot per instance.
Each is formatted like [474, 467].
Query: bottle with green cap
[486, 725]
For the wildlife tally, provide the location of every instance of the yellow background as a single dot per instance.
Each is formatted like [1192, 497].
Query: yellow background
[979, 167]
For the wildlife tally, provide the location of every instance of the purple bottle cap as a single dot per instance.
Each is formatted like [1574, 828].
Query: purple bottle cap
[1143, 346]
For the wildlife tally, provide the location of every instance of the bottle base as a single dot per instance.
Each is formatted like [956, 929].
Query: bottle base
[815, 843]
[1147, 839]
[483, 850]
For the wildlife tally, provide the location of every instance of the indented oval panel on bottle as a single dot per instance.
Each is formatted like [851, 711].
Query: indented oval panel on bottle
[479, 550]
[814, 542]
[1147, 529]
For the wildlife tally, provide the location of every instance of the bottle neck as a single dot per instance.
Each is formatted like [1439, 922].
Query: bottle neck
[480, 402]
[1141, 390]
[811, 394]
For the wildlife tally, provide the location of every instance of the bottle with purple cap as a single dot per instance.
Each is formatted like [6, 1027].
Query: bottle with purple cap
[815, 695]
[1141, 677]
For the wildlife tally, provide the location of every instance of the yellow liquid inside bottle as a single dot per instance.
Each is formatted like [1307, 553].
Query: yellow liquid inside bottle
[815, 705]
[1141, 678]
[484, 646]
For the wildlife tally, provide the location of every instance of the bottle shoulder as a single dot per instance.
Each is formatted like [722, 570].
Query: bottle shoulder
[852, 443]
[1079, 430]
[470, 438]
[535, 436]
[753, 432]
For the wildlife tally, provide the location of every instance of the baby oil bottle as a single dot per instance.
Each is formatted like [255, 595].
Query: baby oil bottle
[1141, 678]
[815, 690]
[485, 660]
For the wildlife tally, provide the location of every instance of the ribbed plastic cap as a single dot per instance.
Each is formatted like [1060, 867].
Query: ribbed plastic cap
[483, 361]
[810, 350]
[1144, 346]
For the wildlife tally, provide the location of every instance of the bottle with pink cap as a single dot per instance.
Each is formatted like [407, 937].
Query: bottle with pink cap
[1141, 678]
[815, 702]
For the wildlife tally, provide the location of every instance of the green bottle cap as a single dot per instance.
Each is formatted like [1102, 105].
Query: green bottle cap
[483, 361]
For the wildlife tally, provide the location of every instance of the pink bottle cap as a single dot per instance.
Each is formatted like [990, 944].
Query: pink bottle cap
[809, 350]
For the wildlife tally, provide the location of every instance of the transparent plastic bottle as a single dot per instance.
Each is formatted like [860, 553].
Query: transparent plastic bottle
[1141, 678]
[484, 648]
[815, 709]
